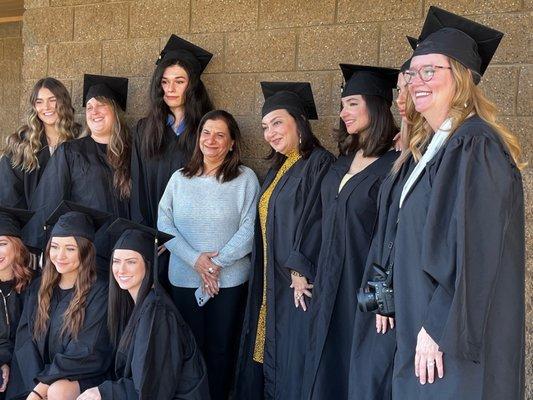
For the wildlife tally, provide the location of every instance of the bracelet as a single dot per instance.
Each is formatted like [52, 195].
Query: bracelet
[38, 394]
[296, 273]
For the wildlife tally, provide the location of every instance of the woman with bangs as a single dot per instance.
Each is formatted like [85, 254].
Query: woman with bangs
[164, 141]
[459, 248]
[62, 345]
[15, 276]
[49, 122]
[94, 170]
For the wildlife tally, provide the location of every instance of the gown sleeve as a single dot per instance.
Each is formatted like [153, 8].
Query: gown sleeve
[87, 355]
[308, 237]
[178, 246]
[241, 242]
[466, 227]
[138, 187]
[12, 188]
[156, 362]
[52, 188]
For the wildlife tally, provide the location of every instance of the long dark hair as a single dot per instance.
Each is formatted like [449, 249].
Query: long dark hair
[308, 141]
[123, 312]
[197, 103]
[75, 313]
[229, 169]
[377, 139]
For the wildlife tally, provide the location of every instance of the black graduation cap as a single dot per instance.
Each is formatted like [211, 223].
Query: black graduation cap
[72, 219]
[180, 49]
[140, 238]
[413, 42]
[111, 87]
[294, 96]
[470, 43]
[12, 220]
[369, 80]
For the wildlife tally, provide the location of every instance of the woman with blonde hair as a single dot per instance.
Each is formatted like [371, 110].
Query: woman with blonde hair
[49, 122]
[94, 170]
[62, 345]
[459, 247]
[15, 276]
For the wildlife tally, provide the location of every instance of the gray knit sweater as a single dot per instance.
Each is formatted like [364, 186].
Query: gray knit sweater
[205, 215]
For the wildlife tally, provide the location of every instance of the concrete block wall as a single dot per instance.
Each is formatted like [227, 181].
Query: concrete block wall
[255, 40]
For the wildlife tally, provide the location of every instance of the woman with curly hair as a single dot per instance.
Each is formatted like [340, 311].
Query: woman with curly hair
[62, 345]
[15, 276]
[94, 170]
[49, 122]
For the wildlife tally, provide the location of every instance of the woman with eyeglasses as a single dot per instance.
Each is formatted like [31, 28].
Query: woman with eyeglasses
[459, 249]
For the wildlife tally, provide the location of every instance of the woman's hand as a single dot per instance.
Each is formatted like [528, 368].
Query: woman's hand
[209, 272]
[5, 377]
[382, 323]
[427, 358]
[301, 287]
[90, 394]
[42, 389]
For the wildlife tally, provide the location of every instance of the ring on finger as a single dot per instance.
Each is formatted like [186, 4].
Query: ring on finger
[211, 270]
[431, 363]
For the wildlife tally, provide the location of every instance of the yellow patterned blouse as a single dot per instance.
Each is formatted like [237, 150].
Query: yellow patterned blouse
[259, 348]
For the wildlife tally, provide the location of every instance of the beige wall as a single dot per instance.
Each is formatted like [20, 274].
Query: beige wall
[256, 40]
[10, 76]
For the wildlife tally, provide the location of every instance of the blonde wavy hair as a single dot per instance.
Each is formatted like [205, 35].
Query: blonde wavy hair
[468, 98]
[23, 145]
[118, 149]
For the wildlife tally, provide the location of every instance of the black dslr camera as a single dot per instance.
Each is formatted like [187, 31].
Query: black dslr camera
[378, 295]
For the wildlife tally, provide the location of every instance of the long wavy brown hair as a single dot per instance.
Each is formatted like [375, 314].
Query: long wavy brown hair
[22, 274]
[468, 98]
[75, 313]
[23, 145]
[118, 149]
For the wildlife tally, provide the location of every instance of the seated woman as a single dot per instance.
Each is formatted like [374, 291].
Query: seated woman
[15, 276]
[213, 240]
[157, 356]
[62, 345]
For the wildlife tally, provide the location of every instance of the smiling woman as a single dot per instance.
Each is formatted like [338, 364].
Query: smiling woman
[99, 161]
[49, 122]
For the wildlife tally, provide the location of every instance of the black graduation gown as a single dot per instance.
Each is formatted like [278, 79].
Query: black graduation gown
[459, 270]
[149, 176]
[372, 353]
[280, 375]
[55, 356]
[18, 186]
[163, 361]
[9, 318]
[78, 172]
[347, 220]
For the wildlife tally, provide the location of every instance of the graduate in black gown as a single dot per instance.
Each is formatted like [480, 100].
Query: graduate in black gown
[164, 140]
[49, 122]
[157, 356]
[62, 345]
[15, 276]
[459, 248]
[348, 205]
[94, 170]
[274, 336]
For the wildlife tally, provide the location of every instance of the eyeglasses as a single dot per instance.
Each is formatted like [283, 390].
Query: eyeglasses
[425, 72]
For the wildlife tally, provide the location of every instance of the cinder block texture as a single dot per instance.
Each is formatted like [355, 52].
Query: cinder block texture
[223, 15]
[73, 59]
[101, 21]
[132, 57]
[48, 25]
[159, 18]
[290, 13]
[350, 11]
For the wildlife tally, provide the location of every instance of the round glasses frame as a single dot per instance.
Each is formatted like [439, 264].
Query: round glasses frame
[425, 72]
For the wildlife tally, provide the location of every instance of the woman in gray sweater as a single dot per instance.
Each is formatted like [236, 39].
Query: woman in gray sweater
[209, 207]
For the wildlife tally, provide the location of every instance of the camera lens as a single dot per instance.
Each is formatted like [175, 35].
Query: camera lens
[366, 301]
